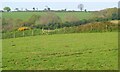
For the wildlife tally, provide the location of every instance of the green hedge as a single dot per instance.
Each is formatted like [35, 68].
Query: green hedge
[92, 27]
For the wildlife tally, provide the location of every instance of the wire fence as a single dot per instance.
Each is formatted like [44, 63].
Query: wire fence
[65, 30]
[16, 34]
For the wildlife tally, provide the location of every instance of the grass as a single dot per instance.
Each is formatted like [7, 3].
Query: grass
[78, 51]
[26, 15]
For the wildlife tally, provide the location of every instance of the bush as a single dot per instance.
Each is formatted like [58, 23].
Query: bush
[50, 19]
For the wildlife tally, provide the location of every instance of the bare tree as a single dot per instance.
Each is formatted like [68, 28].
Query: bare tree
[17, 9]
[81, 6]
[37, 9]
[26, 9]
[21, 9]
[33, 9]
[49, 18]
[47, 8]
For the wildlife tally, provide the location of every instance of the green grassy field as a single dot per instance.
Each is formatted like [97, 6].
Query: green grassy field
[78, 51]
[26, 15]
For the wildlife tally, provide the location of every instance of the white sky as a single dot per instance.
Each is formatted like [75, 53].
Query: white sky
[59, 4]
[59, 0]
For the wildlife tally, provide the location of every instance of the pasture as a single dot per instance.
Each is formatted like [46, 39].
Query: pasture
[26, 15]
[77, 51]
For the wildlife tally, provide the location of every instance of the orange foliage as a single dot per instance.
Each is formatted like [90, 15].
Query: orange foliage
[23, 28]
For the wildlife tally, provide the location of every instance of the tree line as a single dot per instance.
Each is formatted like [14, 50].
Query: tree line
[8, 9]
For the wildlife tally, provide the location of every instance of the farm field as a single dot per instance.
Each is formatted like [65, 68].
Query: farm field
[77, 51]
[26, 15]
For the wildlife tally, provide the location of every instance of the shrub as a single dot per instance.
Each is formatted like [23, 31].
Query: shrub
[50, 19]
[23, 28]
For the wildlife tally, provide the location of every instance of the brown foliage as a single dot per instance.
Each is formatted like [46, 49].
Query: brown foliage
[71, 18]
[107, 13]
[48, 18]
[97, 26]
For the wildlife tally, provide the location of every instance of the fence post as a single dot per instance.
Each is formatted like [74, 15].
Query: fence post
[32, 32]
[23, 34]
[42, 31]
[106, 27]
[14, 35]
[91, 28]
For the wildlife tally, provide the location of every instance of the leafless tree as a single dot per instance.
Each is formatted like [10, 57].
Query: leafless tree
[81, 6]
[17, 9]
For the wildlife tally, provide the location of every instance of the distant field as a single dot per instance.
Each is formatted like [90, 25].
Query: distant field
[26, 15]
[93, 51]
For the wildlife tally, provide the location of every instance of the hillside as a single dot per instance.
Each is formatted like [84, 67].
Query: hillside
[26, 15]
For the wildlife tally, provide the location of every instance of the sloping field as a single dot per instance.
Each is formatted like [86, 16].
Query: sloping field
[80, 51]
[26, 15]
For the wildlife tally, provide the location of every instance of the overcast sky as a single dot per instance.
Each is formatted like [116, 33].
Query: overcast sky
[59, 0]
[60, 4]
